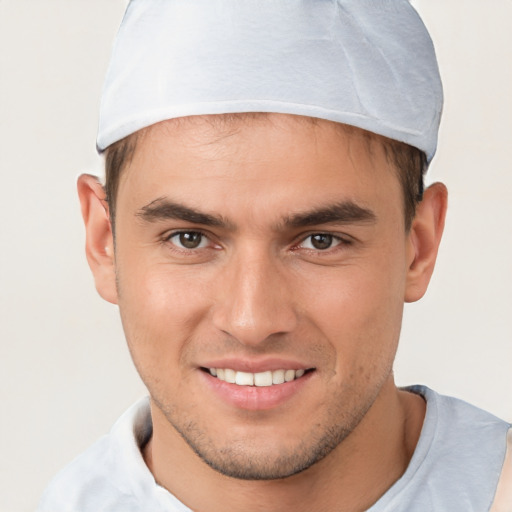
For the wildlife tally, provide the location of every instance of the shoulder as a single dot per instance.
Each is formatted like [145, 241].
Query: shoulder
[99, 479]
[503, 497]
[457, 462]
[460, 424]
[466, 451]
[461, 435]
[83, 485]
[478, 445]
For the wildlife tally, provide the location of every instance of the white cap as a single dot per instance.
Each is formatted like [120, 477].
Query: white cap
[366, 63]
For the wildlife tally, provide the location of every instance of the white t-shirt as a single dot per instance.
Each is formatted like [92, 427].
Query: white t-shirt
[455, 467]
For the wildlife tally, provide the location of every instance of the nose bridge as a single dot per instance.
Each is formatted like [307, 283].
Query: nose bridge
[255, 302]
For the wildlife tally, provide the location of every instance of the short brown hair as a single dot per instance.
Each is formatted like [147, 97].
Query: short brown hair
[117, 157]
[409, 162]
[411, 166]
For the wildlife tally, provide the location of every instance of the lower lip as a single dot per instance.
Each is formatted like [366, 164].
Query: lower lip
[256, 398]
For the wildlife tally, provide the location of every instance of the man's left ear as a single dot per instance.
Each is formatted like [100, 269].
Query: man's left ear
[424, 239]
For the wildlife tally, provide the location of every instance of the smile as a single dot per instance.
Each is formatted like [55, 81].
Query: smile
[260, 379]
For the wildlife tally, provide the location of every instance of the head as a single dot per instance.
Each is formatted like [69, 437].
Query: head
[257, 247]
[268, 227]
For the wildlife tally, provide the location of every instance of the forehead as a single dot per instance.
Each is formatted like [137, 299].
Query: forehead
[208, 135]
[258, 156]
[210, 129]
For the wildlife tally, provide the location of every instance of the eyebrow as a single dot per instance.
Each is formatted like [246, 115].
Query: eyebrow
[164, 209]
[345, 212]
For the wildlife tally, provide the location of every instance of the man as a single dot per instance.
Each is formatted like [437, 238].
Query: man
[262, 223]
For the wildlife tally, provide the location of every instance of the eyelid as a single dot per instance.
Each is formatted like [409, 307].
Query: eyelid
[335, 241]
[341, 238]
[168, 235]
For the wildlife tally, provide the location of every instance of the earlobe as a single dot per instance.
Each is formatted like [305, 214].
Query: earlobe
[99, 245]
[424, 240]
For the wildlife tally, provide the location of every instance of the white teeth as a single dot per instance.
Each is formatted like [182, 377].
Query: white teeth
[244, 379]
[289, 375]
[229, 375]
[260, 379]
[263, 379]
[278, 377]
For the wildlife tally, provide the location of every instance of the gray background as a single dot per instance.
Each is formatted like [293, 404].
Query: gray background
[64, 370]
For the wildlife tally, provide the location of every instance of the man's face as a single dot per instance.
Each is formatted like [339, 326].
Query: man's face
[261, 247]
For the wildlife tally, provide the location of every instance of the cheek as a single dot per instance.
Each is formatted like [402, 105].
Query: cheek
[160, 312]
[359, 310]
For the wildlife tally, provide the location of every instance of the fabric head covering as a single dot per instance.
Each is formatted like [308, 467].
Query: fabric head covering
[366, 63]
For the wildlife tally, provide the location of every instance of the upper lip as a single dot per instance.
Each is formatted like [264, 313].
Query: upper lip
[256, 366]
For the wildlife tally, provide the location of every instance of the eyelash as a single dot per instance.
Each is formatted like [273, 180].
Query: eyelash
[338, 243]
[168, 239]
[337, 240]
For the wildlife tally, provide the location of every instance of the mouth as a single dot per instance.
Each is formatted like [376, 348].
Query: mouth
[259, 379]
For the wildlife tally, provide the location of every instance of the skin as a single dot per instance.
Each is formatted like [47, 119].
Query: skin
[257, 291]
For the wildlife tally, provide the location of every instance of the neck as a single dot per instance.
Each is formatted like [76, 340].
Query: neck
[351, 478]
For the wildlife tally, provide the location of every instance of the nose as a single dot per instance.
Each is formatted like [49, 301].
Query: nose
[254, 300]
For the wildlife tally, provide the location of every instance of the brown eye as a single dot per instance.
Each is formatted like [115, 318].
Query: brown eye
[189, 240]
[320, 241]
